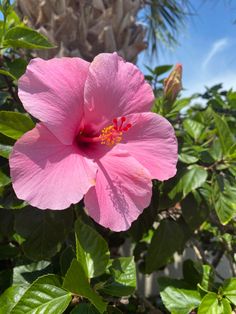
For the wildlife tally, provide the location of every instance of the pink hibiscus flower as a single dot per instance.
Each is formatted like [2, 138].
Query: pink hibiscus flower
[96, 139]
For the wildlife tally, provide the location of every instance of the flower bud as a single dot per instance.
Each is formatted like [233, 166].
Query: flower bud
[173, 84]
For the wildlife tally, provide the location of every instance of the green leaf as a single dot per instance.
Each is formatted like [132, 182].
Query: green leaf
[6, 73]
[226, 137]
[84, 308]
[6, 223]
[192, 272]
[5, 279]
[4, 96]
[24, 37]
[25, 274]
[188, 159]
[8, 199]
[113, 310]
[207, 277]
[123, 282]
[5, 150]
[6, 144]
[10, 297]
[226, 307]
[193, 212]
[44, 231]
[191, 179]
[66, 258]
[77, 282]
[193, 128]
[177, 106]
[176, 299]
[143, 224]
[224, 200]
[4, 179]
[45, 295]
[162, 69]
[14, 124]
[12, 18]
[211, 304]
[8, 251]
[91, 250]
[229, 289]
[17, 67]
[167, 239]
[216, 150]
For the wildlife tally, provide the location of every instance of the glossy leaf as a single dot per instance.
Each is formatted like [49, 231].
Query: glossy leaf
[194, 177]
[91, 250]
[212, 305]
[10, 297]
[27, 273]
[229, 290]
[123, 282]
[177, 299]
[193, 128]
[45, 295]
[207, 277]
[24, 37]
[225, 135]
[14, 124]
[76, 281]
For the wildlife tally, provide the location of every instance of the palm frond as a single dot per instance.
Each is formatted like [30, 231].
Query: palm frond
[164, 20]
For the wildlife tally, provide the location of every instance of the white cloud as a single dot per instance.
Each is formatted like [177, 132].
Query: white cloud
[227, 78]
[216, 47]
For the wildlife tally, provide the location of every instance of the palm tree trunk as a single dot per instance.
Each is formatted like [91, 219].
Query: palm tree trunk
[85, 28]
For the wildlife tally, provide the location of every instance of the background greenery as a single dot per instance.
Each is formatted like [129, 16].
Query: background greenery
[81, 270]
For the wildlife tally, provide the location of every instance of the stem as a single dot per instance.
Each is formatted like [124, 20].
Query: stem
[202, 257]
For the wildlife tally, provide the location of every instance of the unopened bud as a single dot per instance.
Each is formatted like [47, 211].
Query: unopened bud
[173, 84]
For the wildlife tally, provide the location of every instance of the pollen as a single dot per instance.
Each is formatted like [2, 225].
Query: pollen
[112, 134]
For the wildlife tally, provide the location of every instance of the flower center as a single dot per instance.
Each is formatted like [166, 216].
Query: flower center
[112, 134]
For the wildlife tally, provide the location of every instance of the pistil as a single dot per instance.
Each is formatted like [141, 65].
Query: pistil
[110, 135]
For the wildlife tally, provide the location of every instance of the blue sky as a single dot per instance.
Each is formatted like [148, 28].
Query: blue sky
[207, 47]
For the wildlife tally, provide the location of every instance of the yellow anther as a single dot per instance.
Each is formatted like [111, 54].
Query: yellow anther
[110, 136]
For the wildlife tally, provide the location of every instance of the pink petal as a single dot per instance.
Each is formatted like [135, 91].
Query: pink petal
[123, 189]
[114, 88]
[151, 140]
[52, 91]
[47, 173]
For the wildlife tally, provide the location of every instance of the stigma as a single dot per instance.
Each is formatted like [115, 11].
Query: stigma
[112, 134]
